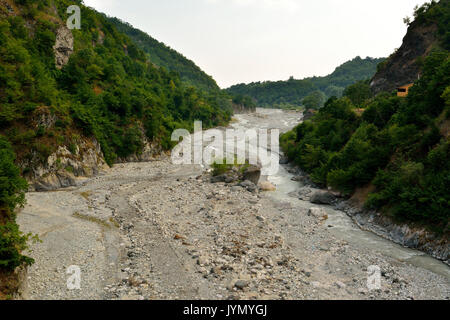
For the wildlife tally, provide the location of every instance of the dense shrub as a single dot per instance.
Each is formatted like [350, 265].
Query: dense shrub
[12, 187]
[107, 90]
[396, 144]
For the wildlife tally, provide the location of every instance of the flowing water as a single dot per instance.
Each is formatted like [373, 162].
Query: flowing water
[343, 226]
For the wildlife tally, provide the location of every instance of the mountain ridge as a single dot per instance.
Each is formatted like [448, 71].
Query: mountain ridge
[164, 56]
[293, 91]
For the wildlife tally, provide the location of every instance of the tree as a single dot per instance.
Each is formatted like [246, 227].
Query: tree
[12, 188]
[315, 100]
[358, 93]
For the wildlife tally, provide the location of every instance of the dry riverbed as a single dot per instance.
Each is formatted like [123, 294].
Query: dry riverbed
[161, 231]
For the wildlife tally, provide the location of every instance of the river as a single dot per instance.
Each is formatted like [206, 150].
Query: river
[158, 230]
[344, 228]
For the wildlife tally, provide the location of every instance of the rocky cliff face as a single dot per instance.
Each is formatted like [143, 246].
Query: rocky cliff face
[65, 168]
[403, 67]
[63, 47]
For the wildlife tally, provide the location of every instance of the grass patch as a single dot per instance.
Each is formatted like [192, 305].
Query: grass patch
[98, 221]
[86, 195]
[220, 166]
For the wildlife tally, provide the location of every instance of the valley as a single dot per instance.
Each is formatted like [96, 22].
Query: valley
[155, 230]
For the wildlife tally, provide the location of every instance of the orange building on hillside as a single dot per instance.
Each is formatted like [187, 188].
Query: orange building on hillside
[404, 90]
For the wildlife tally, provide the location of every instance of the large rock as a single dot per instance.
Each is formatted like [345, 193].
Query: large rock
[55, 181]
[267, 186]
[63, 168]
[253, 174]
[323, 197]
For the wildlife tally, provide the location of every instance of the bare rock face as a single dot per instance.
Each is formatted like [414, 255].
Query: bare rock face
[64, 168]
[402, 67]
[63, 47]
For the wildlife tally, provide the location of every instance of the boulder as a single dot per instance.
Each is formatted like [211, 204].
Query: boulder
[323, 197]
[267, 186]
[241, 284]
[55, 181]
[253, 174]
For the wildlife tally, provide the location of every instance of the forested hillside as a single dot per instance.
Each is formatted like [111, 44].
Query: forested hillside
[68, 88]
[163, 56]
[316, 89]
[397, 147]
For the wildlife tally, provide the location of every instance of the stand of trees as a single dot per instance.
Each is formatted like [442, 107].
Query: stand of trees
[399, 145]
[108, 90]
[309, 92]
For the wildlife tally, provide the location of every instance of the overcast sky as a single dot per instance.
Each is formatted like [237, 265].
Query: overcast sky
[239, 41]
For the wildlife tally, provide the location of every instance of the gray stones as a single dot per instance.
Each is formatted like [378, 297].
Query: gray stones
[250, 186]
[218, 179]
[241, 284]
[284, 160]
[318, 213]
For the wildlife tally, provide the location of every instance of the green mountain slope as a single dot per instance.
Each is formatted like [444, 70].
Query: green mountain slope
[292, 92]
[397, 147]
[163, 56]
[68, 88]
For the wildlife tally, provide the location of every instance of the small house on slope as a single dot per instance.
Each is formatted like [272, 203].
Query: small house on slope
[404, 90]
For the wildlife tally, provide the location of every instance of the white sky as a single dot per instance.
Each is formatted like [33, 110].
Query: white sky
[239, 41]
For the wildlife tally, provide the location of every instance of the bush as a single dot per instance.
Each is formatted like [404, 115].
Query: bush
[12, 187]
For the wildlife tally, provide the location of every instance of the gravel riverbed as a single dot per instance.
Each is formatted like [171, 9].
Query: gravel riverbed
[157, 230]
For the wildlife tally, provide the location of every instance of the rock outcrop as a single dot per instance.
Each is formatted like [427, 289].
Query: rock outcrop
[63, 47]
[64, 168]
[403, 67]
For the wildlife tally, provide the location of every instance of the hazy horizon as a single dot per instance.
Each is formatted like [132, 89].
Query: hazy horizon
[243, 41]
